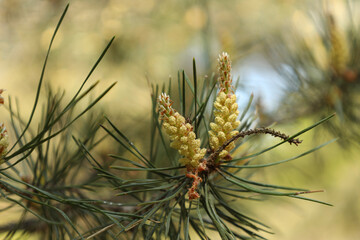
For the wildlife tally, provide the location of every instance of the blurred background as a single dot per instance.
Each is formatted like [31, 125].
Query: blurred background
[155, 39]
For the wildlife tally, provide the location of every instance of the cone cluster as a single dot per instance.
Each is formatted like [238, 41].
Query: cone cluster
[226, 109]
[339, 53]
[184, 139]
[180, 133]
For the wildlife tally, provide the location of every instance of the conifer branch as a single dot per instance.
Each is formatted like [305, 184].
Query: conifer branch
[243, 134]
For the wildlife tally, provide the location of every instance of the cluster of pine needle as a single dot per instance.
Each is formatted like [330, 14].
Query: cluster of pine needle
[321, 70]
[70, 192]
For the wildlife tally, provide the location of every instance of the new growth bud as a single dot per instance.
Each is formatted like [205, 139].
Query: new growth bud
[226, 109]
[224, 68]
[339, 52]
[181, 133]
[184, 140]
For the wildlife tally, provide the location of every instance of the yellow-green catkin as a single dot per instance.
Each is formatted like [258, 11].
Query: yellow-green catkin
[339, 52]
[181, 133]
[4, 142]
[226, 109]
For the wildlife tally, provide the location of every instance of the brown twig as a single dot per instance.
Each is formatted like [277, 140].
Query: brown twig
[243, 134]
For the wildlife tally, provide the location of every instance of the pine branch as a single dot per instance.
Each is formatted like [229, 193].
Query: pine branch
[243, 134]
